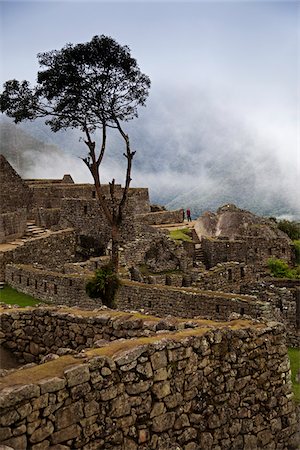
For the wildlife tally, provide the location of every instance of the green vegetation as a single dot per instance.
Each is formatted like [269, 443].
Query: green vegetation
[296, 244]
[104, 285]
[181, 234]
[280, 269]
[10, 296]
[292, 229]
[294, 355]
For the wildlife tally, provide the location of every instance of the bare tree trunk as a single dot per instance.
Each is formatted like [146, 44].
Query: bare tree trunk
[113, 212]
[115, 237]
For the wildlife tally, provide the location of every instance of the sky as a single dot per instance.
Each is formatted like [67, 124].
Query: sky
[227, 65]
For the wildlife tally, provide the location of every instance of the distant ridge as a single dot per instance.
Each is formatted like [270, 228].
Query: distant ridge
[20, 148]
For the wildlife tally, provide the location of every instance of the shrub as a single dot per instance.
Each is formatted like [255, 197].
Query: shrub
[104, 285]
[280, 269]
[292, 229]
[297, 251]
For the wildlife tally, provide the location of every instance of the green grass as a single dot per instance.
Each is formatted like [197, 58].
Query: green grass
[10, 296]
[294, 355]
[181, 234]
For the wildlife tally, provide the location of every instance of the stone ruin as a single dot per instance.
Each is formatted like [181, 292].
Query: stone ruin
[53, 236]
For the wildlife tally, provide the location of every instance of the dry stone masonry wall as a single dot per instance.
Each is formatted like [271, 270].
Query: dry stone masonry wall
[187, 302]
[194, 390]
[52, 287]
[52, 251]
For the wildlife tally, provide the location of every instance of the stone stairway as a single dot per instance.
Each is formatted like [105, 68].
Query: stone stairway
[33, 230]
[199, 257]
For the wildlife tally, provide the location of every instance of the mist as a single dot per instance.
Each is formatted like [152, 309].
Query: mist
[194, 149]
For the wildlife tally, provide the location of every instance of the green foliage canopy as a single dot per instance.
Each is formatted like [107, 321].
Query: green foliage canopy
[81, 86]
[280, 269]
[292, 229]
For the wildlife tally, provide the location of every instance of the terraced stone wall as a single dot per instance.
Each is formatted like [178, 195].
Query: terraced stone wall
[52, 251]
[52, 287]
[33, 333]
[251, 250]
[162, 217]
[13, 225]
[201, 389]
[187, 302]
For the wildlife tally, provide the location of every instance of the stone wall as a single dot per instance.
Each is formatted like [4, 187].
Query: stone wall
[225, 277]
[14, 194]
[87, 218]
[198, 389]
[52, 251]
[251, 250]
[33, 333]
[52, 287]
[162, 217]
[186, 302]
[46, 217]
[156, 252]
[285, 303]
[13, 225]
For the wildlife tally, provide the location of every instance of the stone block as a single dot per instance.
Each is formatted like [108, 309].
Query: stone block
[52, 384]
[41, 433]
[68, 415]
[159, 360]
[77, 375]
[65, 434]
[14, 395]
[163, 422]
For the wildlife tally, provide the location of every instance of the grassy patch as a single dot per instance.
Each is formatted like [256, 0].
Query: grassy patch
[294, 355]
[10, 296]
[181, 234]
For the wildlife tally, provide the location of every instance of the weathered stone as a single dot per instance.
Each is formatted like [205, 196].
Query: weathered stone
[9, 418]
[157, 409]
[160, 374]
[129, 356]
[182, 422]
[206, 440]
[34, 348]
[41, 446]
[40, 402]
[145, 369]
[5, 433]
[120, 406]
[161, 390]
[68, 415]
[65, 434]
[158, 360]
[138, 388]
[91, 408]
[42, 432]
[250, 442]
[111, 392]
[52, 384]
[144, 436]
[163, 422]
[77, 375]
[14, 395]
[19, 442]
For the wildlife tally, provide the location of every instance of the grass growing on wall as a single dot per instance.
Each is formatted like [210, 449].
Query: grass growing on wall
[181, 234]
[294, 355]
[10, 296]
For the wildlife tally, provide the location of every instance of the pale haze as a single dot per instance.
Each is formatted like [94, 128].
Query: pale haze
[224, 100]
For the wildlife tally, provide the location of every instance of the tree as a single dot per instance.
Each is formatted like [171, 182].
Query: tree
[91, 87]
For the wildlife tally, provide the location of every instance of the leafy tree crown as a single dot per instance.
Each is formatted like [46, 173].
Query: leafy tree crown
[81, 86]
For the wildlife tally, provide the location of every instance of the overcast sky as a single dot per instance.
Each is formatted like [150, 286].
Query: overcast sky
[242, 56]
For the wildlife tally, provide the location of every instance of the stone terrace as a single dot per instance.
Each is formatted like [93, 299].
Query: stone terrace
[216, 386]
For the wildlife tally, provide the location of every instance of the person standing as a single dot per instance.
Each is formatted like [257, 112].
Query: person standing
[188, 215]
